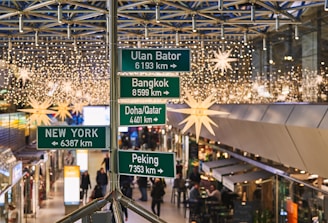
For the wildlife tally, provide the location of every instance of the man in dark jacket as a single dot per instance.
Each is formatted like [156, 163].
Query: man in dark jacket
[85, 185]
[142, 184]
[125, 185]
[102, 180]
[157, 193]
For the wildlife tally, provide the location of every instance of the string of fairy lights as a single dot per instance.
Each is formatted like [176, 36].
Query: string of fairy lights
[56, 71]
[78, 74]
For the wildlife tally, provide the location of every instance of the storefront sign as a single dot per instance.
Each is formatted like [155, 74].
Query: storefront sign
[16, 173]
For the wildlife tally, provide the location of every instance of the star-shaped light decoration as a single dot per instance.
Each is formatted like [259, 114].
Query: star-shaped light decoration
[198, 114]
[222, 60]
[24, 75]
[78, 107]
[39, 111]
[67, 86]
[62, 110]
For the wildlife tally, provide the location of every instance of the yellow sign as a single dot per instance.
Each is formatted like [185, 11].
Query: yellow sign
[71, 185]
[72, 171]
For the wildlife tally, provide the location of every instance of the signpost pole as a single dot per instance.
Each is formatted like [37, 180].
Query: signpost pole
[112, 53]
[114, 83]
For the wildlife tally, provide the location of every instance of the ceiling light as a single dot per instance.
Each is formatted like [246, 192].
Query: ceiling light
[75, 45]
[36, 38]
[264, 43]
[277, 22]
[326, 5]
[146, 32]
[193, 23]
[220, 5]
[252, 13]
[177, 38]
[245, 37]
[296, 32]
[10, 45]
[69, 31]
[158, 14]
[60, 13]
[20, 23]
[222, 31]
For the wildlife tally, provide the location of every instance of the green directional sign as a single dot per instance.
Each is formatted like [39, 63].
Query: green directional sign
[149, 164]
[142, 114]
[150, 60]
[73, 137]
[149, 87]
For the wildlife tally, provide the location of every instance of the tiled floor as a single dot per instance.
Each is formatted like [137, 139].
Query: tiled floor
[53, 208]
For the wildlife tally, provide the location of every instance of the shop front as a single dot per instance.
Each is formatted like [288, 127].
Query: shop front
[38, 170]
[11, 191]
[207, 167]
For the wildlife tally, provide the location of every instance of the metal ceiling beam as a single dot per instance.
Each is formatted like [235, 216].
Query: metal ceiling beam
[276, 10]
[17, 12]
[129, 6]
[39, 5]
[83, 5]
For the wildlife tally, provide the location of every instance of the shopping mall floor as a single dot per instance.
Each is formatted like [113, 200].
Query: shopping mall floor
[53, 208]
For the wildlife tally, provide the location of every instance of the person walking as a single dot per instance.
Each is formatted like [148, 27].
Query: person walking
[69, 159]
[106, 161]
[85, 185]
[142, 184]
[125, 186]
[102, 180]
[179, 167]
[157, 193]
[96, 192]
[180, 185]
[194, 176]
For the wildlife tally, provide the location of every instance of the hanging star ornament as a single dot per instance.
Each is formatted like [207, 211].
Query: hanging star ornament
[222, 61]
[39, 111]
[62, 110]
[24, 75]
[78, 107]
[198, 114]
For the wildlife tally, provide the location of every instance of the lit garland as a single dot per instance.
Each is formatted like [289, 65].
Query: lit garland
[55, 70]
[58, 72]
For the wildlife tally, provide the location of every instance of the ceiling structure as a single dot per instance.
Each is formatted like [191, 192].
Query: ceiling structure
[146, 20]
[32, 24]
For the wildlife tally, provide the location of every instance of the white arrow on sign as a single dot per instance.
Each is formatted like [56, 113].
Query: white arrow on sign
[155, 119]
[166, 92]
[160, 171]
[54, 143]
[173, 65]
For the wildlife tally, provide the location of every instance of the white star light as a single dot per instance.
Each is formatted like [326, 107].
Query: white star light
[198, 114]
[23, 75]
[222, 60]
[78, 107]
[39, 111]
[62, 110]
[67, 86]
